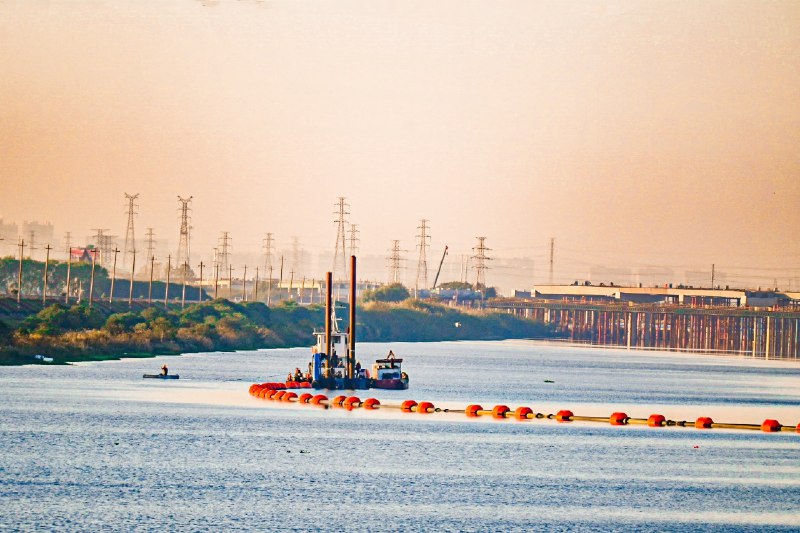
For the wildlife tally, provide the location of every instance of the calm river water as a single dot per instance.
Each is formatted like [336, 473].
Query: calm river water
[95, 447]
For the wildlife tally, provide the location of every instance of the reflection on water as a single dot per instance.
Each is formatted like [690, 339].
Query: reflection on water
[94, 446]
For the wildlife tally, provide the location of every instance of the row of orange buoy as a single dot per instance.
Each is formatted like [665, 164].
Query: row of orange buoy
[503, 411]
[282, 386]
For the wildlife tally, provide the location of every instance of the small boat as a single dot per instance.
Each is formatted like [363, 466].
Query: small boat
[162, 376]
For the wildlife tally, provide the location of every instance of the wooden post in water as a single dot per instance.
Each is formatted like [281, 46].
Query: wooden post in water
[351, 355]
[328, 310]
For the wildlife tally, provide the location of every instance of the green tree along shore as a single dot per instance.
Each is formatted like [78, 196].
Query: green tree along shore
[81, 333]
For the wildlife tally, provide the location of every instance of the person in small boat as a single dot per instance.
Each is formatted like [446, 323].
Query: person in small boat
[164, 370]
[390, 357]
[298, 376]
[289, 378]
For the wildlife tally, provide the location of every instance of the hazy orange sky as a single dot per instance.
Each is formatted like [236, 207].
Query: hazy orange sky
[634, 133]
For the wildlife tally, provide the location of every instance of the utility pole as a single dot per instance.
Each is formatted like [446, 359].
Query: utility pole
[183, 291]
[130, 236]
[269, 287]
[216, 279]
[480, 263]
[422, 263]
[255, 296]
[291, 282]
[150, 286]
[200, 289]
[244, 284]
[712, 275]
[183, 241]
[113, 275]
[339, 251]
[166, 288]
[69, 273]
[44, 286]
[280, 280]
[230, 282]
[21, 246]
[552, 250]
[91, 278]
[130, 288]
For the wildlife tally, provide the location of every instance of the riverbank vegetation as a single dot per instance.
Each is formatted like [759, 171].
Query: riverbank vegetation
[79, 333]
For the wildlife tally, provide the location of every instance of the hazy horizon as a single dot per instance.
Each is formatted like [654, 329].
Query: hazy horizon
[637, 134]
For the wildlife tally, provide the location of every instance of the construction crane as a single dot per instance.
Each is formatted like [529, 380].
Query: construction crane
[440, 267]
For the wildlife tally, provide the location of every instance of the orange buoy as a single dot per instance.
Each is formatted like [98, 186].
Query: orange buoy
[352, 401]
[289, 396]
[318, 398]
[472, 410]
[371, 403]
[618, 419]
[305, 397]
[564, 416]
[703, 422]
[521, 413]
[425, 407]
[264, 393]
[278, 395]
[253, 388]
[770, 425]
[656, 421]
[305, 385]
[280, 386]
[500, 411]
[408, 405]
[338, 400]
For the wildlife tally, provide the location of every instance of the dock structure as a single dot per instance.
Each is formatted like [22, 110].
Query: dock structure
[770, 333]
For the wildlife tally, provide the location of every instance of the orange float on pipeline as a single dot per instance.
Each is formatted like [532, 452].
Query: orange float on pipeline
[656, 421]
[500, 411]
[425, 407]
[338, 400]
[704, 422]
[316, 400]
[371, 403]
[408, 405]
[522, 413]
[289, 396]
[352, 402]
[618, 419]
[305, 397]
[564, 416]
[770, 425]
[472, 410]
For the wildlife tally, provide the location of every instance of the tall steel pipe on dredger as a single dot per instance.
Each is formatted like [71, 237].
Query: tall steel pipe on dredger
[351, 352]
[328, 308]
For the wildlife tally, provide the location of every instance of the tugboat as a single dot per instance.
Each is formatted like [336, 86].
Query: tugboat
[333, 358]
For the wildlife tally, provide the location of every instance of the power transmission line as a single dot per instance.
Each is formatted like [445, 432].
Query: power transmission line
[480, 262]
[183, 241]
[422, 262]
[130, 236]
[340, 252]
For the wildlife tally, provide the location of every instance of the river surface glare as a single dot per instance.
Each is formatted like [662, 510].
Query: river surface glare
[93, 446]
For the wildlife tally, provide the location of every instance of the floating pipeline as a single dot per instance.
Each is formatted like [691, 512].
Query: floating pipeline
[277, 392]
